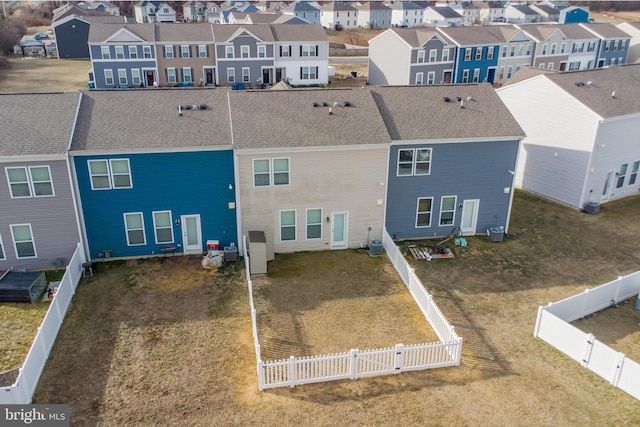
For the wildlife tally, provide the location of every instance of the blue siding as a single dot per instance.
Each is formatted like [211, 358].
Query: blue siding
[576, 16]
[99, 64]
[608, 56]
[71, 39]
[483, 64]
[474, 170]
[184, 183]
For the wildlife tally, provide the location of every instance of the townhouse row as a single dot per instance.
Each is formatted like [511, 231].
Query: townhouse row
[491, 54]
[137, 173]
[152, 55]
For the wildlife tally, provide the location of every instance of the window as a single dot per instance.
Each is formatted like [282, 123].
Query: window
[135, 76]
[528, 51]
[281, 171]
[287, 225]
[420, 58]
[171, 75]
[309, 73]
[262, 51]
[476, 75]
[244, 51]
[34, 183]
[146, 52]
[509, 71]
[632, 177]
[621, 174]
[615, 45]
[187, 76]
[504, 51]
[168, 51]
[122, 77]
[465, 76]
[591, 46]
[423, 212]
[574, 66]
[228, 51]
[246, 74]
[185, 51]
[419, 78]
[23, 241]
[544, 49]
[512, 52]
[285, 51]
[202, 51]
[520, 50]
[261, 173]
[445, 54]
[163, 226]
[308, 50]
[119, 52]
[108, 77]
[433, 55]
[478, 53]
[467, 54]
[112, 174]
[2, 255]
[541, 65]
[133, 52]
[414, 161]
[623, 43]
[104, 51]
[550, 66]
[431, 77]
[563, 48]
[501, 73]
[447, 210]
[134, 227]
[231, 75]
[490, 52]
[314, 224]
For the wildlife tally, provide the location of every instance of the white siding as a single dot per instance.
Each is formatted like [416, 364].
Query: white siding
[336, 181]
[382, 69]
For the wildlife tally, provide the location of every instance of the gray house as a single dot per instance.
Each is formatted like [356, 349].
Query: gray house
[39, 223]
[453, 155]
[373, 14]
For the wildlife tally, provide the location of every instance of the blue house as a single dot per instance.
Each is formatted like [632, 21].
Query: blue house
[154, 171]
[613, 46]
[573, 15]
[72, 33]
[477, 53]
[452, 159]
[123, 55]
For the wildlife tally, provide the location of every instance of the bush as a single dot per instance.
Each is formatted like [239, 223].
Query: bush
[4, 63]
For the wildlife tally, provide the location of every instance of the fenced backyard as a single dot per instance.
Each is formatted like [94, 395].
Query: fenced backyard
[357, 363]
[21, 392]
[552, 326]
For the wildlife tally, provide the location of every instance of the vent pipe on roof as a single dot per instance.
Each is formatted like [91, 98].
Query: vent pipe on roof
[462, 103]
[179, 110]
[613, 94]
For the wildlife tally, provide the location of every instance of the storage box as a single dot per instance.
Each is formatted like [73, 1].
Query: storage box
[213, 244]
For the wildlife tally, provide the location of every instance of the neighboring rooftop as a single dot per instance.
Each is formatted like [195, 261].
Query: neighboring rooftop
[49, 126]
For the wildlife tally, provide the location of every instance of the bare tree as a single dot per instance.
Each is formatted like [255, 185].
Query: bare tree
[11, 31]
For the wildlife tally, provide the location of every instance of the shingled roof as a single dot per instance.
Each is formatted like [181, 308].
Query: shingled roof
[37, 124]
[147, 119]
[421, 113]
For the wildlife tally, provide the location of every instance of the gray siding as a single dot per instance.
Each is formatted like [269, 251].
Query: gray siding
[53, 220]
[473, 170]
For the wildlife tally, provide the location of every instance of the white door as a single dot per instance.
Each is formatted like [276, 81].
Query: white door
[191, 234]
[469, 217]
[608, 181]
[339, 226]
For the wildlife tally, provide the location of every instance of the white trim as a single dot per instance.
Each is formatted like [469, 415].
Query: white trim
[3, 250]
[453, 220]
[185, 246]
[155, 227]
[126, 230]
[418, 212]
[332, 243]
[457, 140]
[295, 225]
[268, 151]
[112, 174]
[474, 222]
[32, 240]
[306, 223]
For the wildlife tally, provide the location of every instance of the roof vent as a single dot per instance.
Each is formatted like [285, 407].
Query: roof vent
[446, 99]
[459, 98]
[613, 94]
[203, 106]
[194, 107]
[589, 83]
[315, 105]
[330, 111]
[335, 104]
[187, 107]
[347, 104]
[579, 84]
[324, 104]
[470, 98]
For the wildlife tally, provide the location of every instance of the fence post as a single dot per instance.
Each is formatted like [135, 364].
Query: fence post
[617, 366]
[353, 360]
[618, 284]
[260, 376]
[399, 359]
[536, 328]
[292, 371]
[586, 351]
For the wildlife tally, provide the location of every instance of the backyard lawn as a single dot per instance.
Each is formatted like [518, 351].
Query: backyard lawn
[44, 75]
[162, 342]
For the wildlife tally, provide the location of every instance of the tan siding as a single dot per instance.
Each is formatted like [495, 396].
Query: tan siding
[336, 181]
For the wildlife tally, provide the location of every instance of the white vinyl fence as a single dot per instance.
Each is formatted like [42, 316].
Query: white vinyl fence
[552, 326]
[362, 363]
[22, 390]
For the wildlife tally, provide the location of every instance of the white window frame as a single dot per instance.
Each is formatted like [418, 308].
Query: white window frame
[419, 212]
[231, 75]
[544, 49]
[476, 75]
[563, 48]
[119, 52]
[3, 252]
[146, 52]
[105, 52]
[528, 51]
[246, 75]
[262, 173]
[309, 73]
[512, 51]
[136, 78]
[431, 77]
[273, 173]
[245, 52]
[632, 177]
[295, 224]
[172, 75]
[110, 174]
[542, 65]
[314, 224]
[479, 53]
[445, 55]
[127, 230]
[31, 240]
[262, 51]
[185, 51]
[169, 52]
[621, 175]
[520, 50]
[504, 51]
[229, 52]
[550, 66]
[467, 54]
[465, 76]
[453, 218]
[433, 55]
[156, 227]
[509, 71]
[187, 75]
[414, 162]
[202, 51]
[108, 76]
[30, 182]
[133, 52]
[122, 77]
[308, 50]
[420, 78]
[420, 57]
[490, 52]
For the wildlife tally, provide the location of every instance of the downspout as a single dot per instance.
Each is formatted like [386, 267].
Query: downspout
[236, 179]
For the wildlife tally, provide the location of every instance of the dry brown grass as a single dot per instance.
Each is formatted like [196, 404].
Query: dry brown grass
[164, 343]
[44, 75]
[19, 324]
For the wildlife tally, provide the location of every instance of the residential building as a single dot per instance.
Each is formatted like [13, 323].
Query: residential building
[100, 6]
[573, 15]
[373, 14]
[194, 11]
[301, 55]
[516, 51]
[547, 12]
[586, 151]
[521, 14]
[154, 11]
[491, 11]
[613, 44]
[551, 46]
[406, 14]
[442, 16]
[477, 50]
[303, 10]
[633, 30]
[469, 11]
[39, 225]
[582, 47]
[338, 15]
[72, 34]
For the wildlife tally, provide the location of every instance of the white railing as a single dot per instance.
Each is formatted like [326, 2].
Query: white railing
[552, 326]
[254, 322]
[21, 392]
[362, 363]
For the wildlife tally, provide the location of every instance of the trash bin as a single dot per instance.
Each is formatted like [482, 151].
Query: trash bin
[496, 234]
